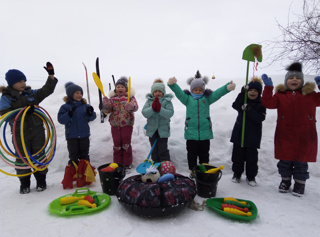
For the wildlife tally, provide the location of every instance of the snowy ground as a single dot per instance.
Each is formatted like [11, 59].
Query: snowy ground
[278, 214]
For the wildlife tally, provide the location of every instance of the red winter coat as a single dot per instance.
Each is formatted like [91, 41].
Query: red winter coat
[295, 138]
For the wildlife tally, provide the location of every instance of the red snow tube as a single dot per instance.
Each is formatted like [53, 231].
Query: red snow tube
[156, 199]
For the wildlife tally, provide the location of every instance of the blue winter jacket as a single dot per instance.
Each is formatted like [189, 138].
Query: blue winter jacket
[76, 126]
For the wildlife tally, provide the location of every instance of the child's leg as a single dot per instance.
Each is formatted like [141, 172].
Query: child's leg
[117, 151]
[192, 148]
[154, 154]
[203, 151]
[300, 175]
[238, 158]
[73, 149]
[126, 134]
[285, 169]
[37, 142]
[251, 163]
[300, 171]
[84, 145]
[163, 152]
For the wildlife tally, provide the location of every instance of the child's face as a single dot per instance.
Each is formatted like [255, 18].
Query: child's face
[120, 90]
[253, 94]
[157, 93]
[197, 90]
[77, 96]
[20, 85]
[294, 83]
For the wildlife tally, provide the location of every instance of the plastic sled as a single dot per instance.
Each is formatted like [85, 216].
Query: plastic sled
[215, 204]
[73, 209]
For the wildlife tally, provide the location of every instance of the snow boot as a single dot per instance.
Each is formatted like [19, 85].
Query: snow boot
[68, 178]
[25, 185]
[41, 180]
[236, 178]
[285, 185]
[252, 182]
[298, 188]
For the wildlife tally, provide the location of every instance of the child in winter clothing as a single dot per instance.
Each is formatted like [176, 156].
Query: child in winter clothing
[121, 119]
[18, 95]
[247, 156]
[296, 135]
[158, 110]
[75, 114]
[198, 126]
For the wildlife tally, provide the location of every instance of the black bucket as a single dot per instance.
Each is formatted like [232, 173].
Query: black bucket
[110, 180]
[207, 182]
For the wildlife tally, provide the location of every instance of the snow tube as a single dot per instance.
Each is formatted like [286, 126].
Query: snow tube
[156, 199]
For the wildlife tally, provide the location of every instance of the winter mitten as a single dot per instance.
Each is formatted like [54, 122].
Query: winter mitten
[266, 80]
[67, 181]
[90, 111]
[129, 106]
[49, 68]
[172, 81]
[81, 181]
[106, 102]
[156, 106]
[244, 88]
[90, 173]
[231, 86]
[70, 112]
[317, 79]
[245, 107]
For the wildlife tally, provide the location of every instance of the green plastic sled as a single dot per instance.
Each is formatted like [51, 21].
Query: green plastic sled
[215, 204]
[73, 209]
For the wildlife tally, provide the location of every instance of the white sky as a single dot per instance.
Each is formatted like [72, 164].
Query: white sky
[144, 39]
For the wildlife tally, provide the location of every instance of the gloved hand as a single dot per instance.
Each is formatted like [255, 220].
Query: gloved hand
[245, 107]
[49, 69]
[70, 112]
[129, 106]
[172, 81]
[317, 79]
[89, 111]
[156, 106]
[244, 88]
[31, 110]
[266, 80]
[231, 86]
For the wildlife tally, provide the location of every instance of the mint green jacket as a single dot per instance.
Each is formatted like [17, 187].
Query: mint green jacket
[198, 124]
[158, 121]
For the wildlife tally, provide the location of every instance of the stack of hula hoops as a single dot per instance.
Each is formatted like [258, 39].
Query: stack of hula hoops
[38, 161]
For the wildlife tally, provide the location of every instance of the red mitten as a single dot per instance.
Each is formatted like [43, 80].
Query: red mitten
[81, 179]
[67, 181]
[156, 106]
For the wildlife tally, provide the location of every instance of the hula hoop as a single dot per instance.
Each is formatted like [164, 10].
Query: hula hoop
[42, 158]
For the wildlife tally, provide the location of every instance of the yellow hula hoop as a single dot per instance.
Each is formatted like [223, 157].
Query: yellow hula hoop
[24, 146]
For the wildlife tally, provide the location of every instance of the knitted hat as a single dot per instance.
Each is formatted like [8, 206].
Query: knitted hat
[295, 69]
[197, 81]
[71, 88]
[256, 83]
[158, 85]
[122, 81]
[13, 76]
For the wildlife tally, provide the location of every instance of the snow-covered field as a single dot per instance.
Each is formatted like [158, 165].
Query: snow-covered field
[278, 214]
